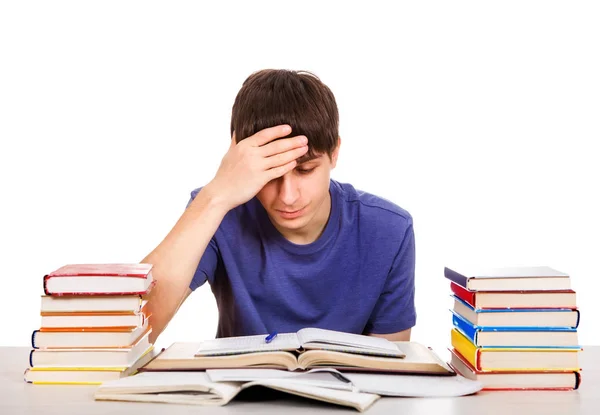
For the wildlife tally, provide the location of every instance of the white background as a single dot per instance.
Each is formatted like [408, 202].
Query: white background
[481, 119]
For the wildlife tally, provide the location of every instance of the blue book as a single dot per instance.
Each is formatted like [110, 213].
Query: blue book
[517, 317]
[517, 337]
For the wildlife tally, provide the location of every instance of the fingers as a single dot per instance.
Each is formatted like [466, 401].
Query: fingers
[279, 171]
[285, 158]
[269, 134]
[283, 145]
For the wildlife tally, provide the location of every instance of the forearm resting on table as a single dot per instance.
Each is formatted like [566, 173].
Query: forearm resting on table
[401, 336]
[176, 258]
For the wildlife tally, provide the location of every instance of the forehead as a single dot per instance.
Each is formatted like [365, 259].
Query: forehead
[316, 159]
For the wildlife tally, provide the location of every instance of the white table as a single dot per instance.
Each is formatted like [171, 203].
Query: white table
[17, 397]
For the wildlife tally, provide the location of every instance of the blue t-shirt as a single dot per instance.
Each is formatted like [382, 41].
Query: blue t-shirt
[357, 277]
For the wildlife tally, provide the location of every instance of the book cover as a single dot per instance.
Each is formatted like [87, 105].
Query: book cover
[515, 299]
[87, 279]
[471, 310]
[103, 270]
[510, 278]
[474, 354]
[472, 332]
[516, 380]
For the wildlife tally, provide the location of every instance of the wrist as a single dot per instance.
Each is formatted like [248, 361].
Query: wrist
[214, 198]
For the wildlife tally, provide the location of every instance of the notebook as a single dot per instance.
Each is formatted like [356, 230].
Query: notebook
[305, 339]
[196, 388]
[417, 359]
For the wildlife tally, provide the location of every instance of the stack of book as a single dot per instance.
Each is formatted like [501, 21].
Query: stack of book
[515, 328]
[94, 324]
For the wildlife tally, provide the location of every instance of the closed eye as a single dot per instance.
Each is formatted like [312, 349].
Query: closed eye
[305, 171]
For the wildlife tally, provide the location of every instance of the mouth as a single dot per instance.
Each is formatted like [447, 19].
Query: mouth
[287, 214]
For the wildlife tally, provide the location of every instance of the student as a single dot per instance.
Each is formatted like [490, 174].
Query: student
[282, 245]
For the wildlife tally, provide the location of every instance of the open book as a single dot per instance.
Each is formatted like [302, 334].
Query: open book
[218, 387]
[197, 388]
[417, 359]
[305, 339]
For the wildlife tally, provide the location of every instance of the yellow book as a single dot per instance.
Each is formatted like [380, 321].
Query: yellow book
[84, 375]
[506, 359]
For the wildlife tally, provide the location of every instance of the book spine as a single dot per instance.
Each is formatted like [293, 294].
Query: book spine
[31, 358]
[42, 382]
[464, 294]
[465, 327]
[455, 277]
[33, 339]
[465, 348]
[577, 322]
[45, 284]
[528, 389]
[25, 376]
[577, 380]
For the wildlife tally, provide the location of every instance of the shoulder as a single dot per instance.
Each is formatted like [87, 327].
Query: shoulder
[375, 212]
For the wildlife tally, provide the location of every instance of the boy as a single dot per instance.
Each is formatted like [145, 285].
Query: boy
[282, 245]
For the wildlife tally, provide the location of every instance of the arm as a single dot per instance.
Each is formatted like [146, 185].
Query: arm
[245, 169]
[176, 258]
[401, 336]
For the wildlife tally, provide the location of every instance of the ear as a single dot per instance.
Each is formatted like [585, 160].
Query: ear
[335, 153]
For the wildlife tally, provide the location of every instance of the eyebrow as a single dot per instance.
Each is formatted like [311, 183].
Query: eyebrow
[306, 159]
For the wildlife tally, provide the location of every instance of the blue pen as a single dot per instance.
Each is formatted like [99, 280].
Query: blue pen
[270, 337]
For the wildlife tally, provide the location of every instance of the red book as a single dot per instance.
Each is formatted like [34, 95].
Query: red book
[567, 380]
[516, 299]
[99, 279]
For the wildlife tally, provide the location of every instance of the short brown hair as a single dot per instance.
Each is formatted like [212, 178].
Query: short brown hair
[298, 98]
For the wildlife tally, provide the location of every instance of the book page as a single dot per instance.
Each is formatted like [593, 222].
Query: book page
[414, 386]
[159, 383]
[358, 400]
[312, 338]
[326, 378]
[248, 344]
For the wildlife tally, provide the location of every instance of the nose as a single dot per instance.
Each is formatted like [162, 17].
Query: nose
[289, 192]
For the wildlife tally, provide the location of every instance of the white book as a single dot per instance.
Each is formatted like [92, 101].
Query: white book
[74, 304]
[76, 320]
[91, 358]
[197, 388]
[380, 384]
[110, 337]
[324, 378]
[509, 278]
[307, 339]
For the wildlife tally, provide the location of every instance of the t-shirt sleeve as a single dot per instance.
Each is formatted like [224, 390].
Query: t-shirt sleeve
[208, 263]
[395, 309]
